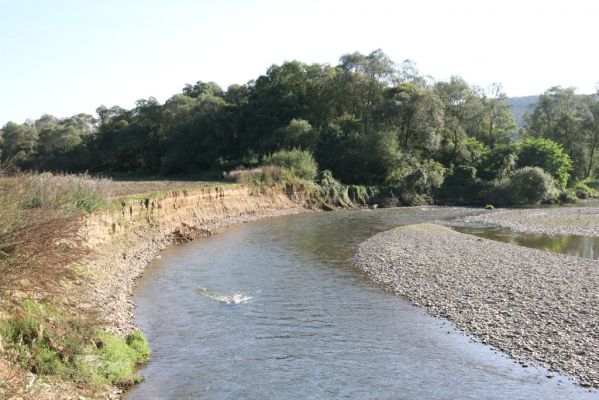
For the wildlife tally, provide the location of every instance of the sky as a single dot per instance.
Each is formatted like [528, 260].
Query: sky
[62, 57]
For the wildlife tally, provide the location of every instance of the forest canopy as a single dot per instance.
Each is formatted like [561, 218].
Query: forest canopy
[368, 120]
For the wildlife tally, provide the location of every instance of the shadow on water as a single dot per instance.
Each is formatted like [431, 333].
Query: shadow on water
[274, 309]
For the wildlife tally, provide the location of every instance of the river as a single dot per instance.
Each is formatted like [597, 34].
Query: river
[274, 309]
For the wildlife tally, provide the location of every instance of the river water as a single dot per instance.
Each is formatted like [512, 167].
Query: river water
[274, 309]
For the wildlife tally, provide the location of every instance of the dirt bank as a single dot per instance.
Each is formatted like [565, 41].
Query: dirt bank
[528, 303]
[123, 240]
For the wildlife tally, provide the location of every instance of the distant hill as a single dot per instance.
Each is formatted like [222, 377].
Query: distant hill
[520, 105]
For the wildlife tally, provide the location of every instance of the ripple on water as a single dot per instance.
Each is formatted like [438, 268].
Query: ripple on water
[235, 298]
[300, 321]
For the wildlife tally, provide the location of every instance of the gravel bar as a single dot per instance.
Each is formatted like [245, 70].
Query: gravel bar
[535, 306]
[575, 221]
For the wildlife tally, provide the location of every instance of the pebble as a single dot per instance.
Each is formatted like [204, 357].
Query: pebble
[521, 301]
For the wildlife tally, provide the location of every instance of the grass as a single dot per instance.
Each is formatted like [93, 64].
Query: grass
[40, 248]
[43, 339]
[160, 194]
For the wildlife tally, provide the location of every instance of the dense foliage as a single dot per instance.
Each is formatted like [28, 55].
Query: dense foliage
[368, 120]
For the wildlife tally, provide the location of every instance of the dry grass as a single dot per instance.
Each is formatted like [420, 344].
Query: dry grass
[40, 218]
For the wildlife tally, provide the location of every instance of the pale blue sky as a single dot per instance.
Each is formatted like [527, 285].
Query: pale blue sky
[67, 56]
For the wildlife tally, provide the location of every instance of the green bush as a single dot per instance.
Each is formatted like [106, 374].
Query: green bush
[329, 192]
[548, 155]
[593, 183]
[526, 186]
[567, 196]
[583, 191]
[299, 162]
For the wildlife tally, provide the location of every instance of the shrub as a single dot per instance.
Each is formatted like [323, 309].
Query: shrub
[548, 155]
[262, 177]
[418, 177]
[299, 162]
[498, 163]
[329, 192]
[583, 191]
[567, 196]
[461, 185]
[529, 185]
[593, 183]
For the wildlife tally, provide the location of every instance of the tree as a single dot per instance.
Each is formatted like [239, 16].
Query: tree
[356, 156]
[498, 121]
[463, 114]
[20, 142]
[591, 125]
[297, 134]
[559, 116]
[363, 80]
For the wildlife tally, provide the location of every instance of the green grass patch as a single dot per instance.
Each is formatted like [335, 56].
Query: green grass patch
[46, 341]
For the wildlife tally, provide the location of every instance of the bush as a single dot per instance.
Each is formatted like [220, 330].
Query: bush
[329, 192]
[420, 177]
[40, 229]
[548, 155]
[461, 186]
[299, 162]
[567, 196]
[528, 185]
[583, 191]
[498, 163]
[592, 183]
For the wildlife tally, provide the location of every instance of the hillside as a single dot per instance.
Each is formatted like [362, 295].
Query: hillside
[520, 105]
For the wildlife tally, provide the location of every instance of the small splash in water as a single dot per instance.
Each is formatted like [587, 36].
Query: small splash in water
[235, 298]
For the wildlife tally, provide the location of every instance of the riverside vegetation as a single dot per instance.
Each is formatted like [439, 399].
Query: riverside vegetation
[364, 132]
[40, 248]
[369, 121]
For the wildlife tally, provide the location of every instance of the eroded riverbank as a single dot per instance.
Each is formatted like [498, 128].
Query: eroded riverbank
[528, 303]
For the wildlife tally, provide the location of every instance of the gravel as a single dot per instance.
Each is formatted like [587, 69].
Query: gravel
[576, 221]
[535, 306]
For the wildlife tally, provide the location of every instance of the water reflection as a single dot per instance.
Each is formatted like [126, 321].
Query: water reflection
[580, 246]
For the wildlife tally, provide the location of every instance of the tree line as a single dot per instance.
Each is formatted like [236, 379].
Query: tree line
[368, 120]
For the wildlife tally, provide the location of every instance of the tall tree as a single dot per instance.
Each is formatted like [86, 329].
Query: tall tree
[559, 116]
[20, 142]
[498, 121]
[591, 125]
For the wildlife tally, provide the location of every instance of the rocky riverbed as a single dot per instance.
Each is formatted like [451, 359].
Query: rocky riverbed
[535, 306]
[576, 221]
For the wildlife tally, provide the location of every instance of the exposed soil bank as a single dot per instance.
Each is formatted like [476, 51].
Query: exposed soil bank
[125, 240]
[576, 221]
[528, 303]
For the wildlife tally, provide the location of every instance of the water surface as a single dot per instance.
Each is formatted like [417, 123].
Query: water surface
[580, 246]
[274, 309]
